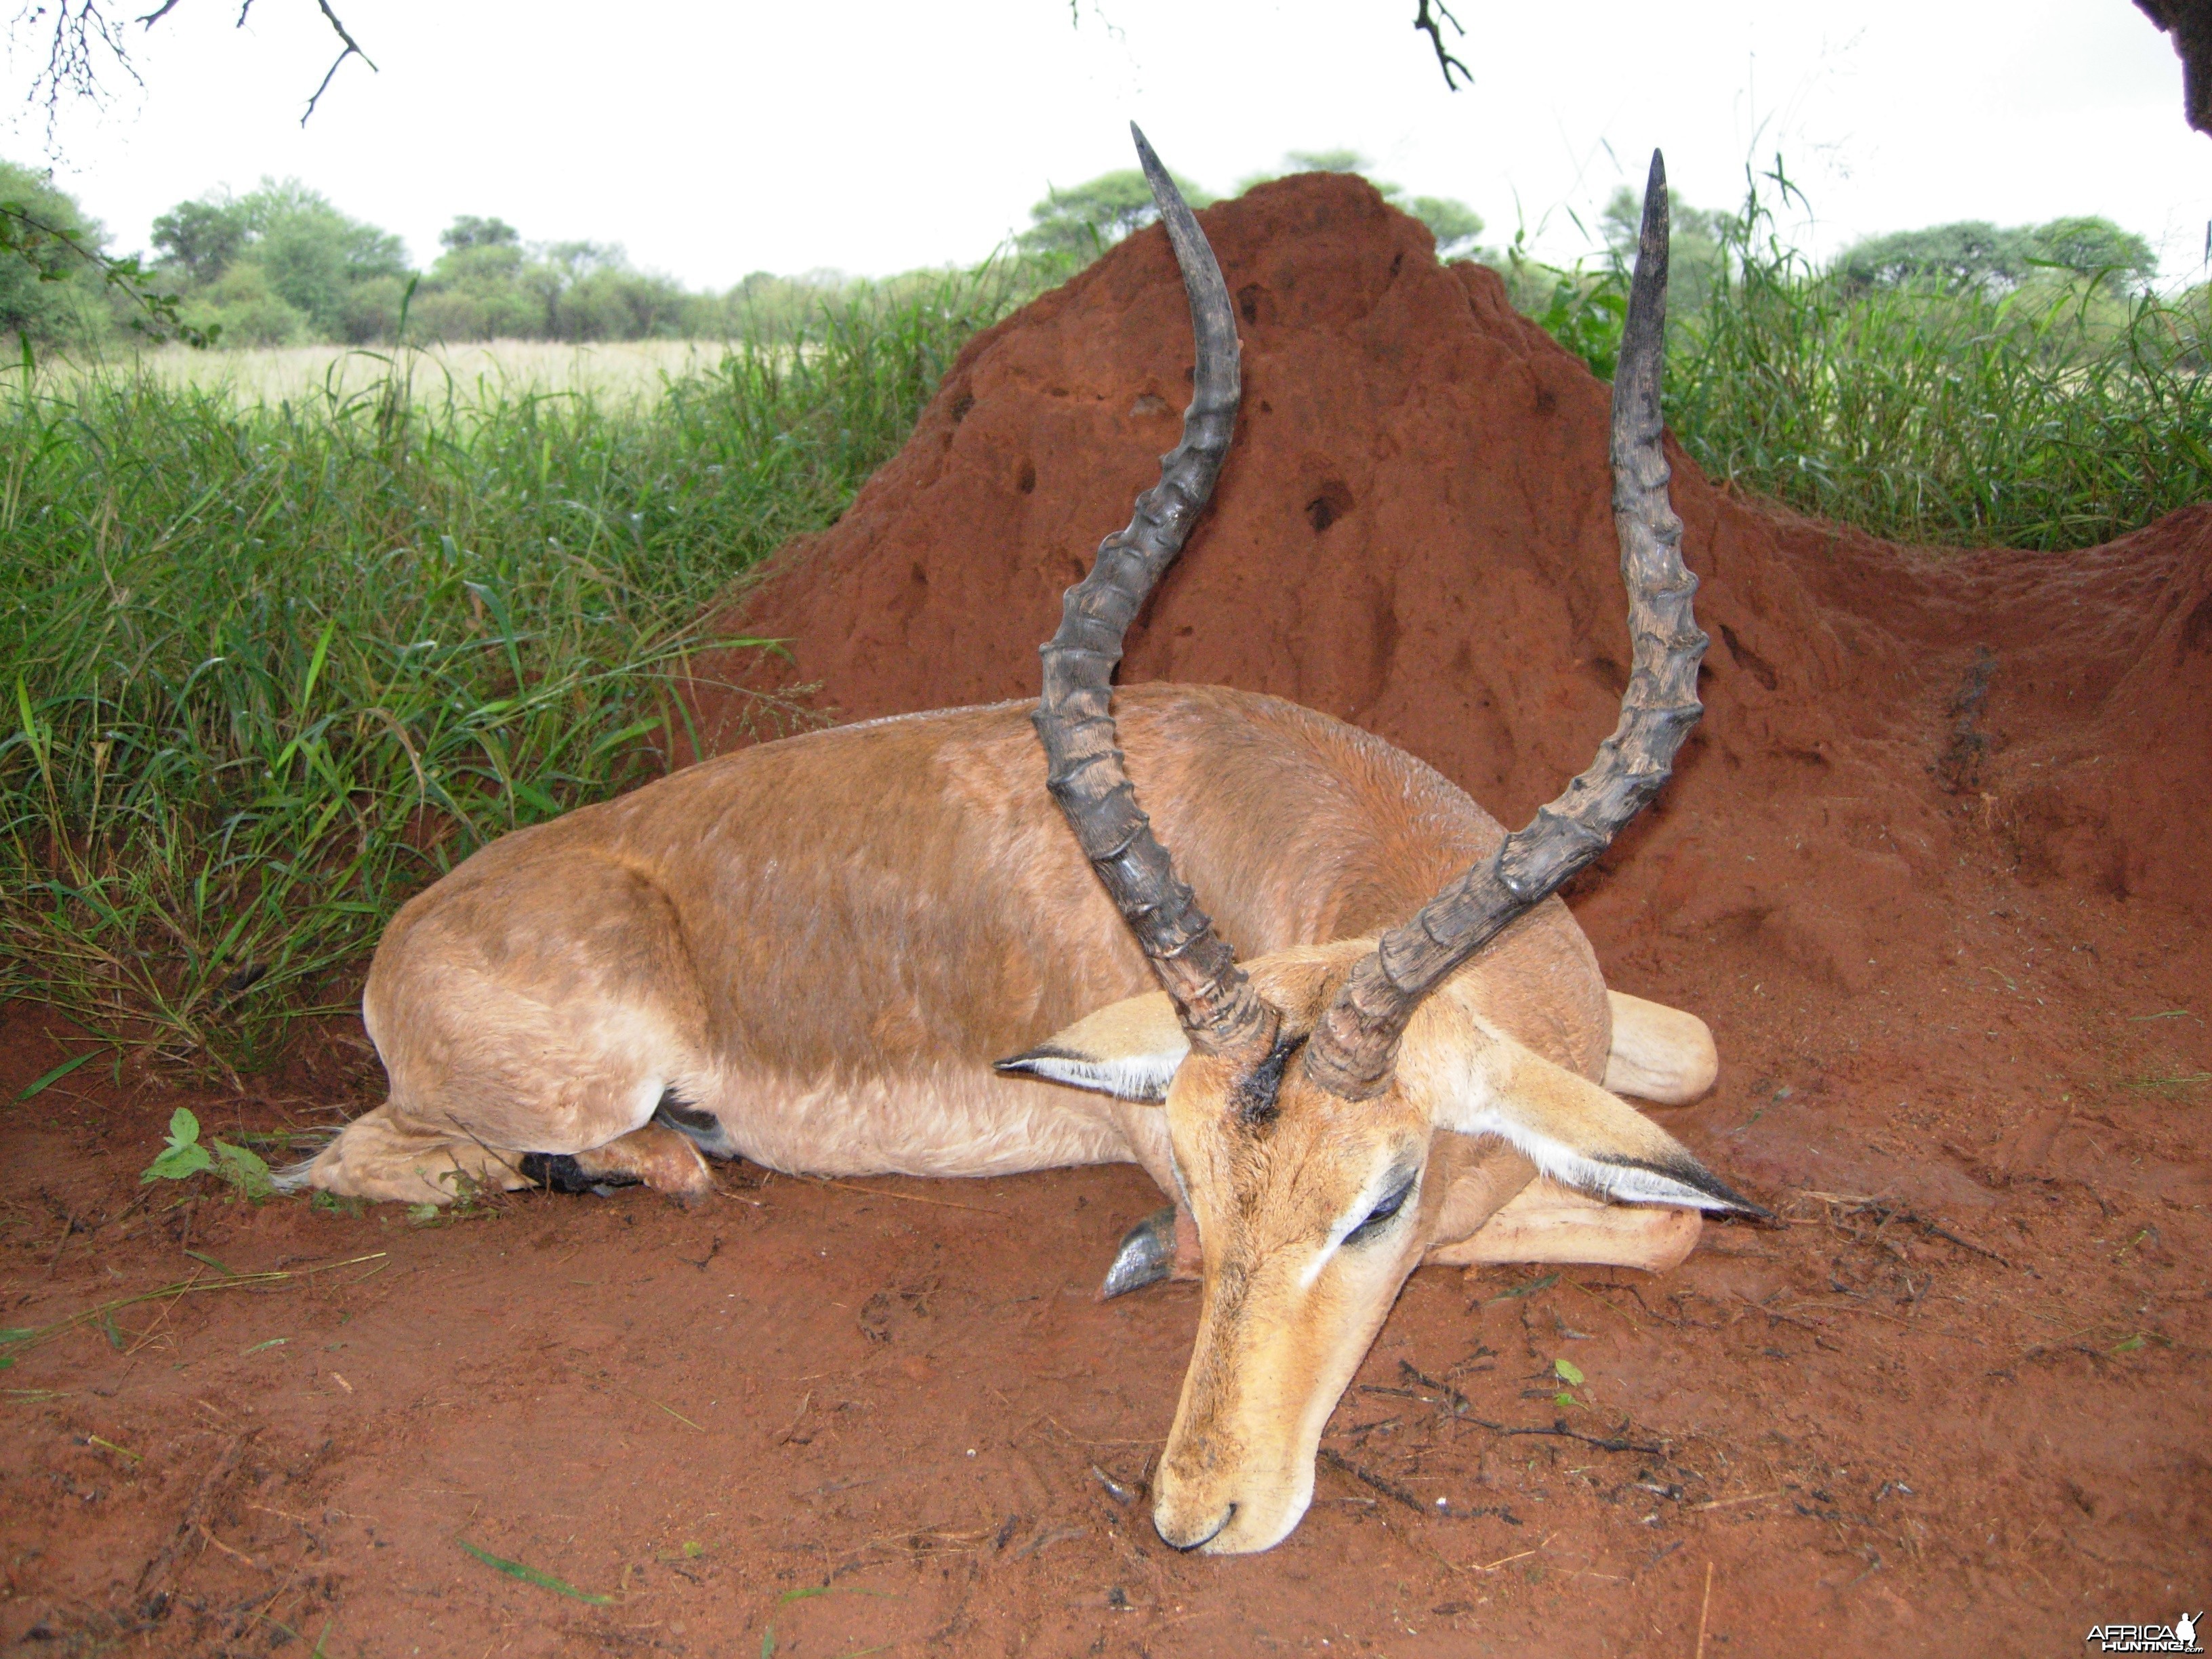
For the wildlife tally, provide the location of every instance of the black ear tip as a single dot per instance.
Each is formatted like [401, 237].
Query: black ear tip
[1735, 1200]
[1691, 1173]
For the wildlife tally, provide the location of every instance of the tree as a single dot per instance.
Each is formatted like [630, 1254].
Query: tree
[48, 293]
[1082, 222]
[468, 231]
[59, 284]
[201, 239]
[2093, 245]
[1453, 223]
[1968, 252]
[81, 44]
[1976, 253]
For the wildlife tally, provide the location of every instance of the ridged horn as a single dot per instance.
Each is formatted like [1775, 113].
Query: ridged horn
[1219, 1008]
[1355, 1046]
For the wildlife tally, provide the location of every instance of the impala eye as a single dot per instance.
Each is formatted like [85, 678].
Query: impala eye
[1382, 1214]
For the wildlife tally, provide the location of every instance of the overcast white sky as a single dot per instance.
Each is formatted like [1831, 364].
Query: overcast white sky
[716, 139]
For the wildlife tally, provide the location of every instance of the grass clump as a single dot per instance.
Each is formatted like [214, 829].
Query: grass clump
[268, 670]
[2050, 411]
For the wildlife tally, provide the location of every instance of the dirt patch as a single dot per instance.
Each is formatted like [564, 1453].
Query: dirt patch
[1931, 868]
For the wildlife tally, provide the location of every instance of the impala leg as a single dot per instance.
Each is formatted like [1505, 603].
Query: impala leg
[1659, 1053]
[655, 1156]
[384, 1156]
[1546, 1221]
[527, 1053]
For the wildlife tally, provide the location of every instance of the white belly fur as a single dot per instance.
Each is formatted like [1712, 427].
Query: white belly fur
[944, 1122]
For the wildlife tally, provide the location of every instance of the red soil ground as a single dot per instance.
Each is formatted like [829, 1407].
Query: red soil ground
[1933, 869]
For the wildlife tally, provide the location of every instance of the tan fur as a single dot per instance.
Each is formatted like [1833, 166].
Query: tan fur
[1288, 1310]
[810, 953]
[1547, 1222]
[826, 941]
[1659, 1053]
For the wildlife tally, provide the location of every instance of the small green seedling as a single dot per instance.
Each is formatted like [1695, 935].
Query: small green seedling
[1570, 1374]
[535, 1576]
[183, 1157]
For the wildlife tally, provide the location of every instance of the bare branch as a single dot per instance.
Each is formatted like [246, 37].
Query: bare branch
[352, 50]
[82, 35]
[1429, 19]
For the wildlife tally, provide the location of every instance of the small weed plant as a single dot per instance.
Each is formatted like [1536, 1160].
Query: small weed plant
[183, 1157]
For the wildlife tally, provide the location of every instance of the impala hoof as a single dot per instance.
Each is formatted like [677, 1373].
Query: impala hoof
[1146, 1255]
[557, 1172]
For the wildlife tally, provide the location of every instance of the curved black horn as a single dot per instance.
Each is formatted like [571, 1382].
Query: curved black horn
[1355, 1046]
[1219, 1010]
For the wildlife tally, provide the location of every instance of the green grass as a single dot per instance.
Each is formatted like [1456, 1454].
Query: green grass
[268, 670]
[2060, 414]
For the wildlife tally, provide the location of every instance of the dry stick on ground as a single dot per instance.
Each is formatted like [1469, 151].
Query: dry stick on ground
[31, 1335]
[908, 1198]
[210, 1485]
[1703, 1607]
[1461, 1407]
[1884, 1213]
[1389, 1489]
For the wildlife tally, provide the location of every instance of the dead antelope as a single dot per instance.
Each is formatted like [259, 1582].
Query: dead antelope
[811, 953]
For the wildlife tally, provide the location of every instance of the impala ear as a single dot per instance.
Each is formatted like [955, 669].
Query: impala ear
[1129, 1049]
[1569, 1127]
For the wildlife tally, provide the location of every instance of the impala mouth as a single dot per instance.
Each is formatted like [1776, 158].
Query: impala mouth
[1218, 1528]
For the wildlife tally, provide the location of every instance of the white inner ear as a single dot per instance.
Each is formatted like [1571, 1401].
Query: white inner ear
[1125, 1077]
[1624, 1183]
[1483, 1082]
[1129, 1049]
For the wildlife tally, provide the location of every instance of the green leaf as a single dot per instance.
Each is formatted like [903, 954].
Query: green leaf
[2130, 1346]
[1568, 1372]
[38, 1084]
[1529, 1289]
[534, 1576]
[245, 1170]
[183, 1156]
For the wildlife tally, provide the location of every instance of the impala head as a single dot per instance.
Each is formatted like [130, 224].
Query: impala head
[1307, 1092]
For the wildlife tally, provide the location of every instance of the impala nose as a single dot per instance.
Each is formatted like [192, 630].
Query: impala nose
[1189, 1532]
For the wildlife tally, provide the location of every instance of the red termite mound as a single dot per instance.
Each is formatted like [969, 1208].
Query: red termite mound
[1413, 533]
